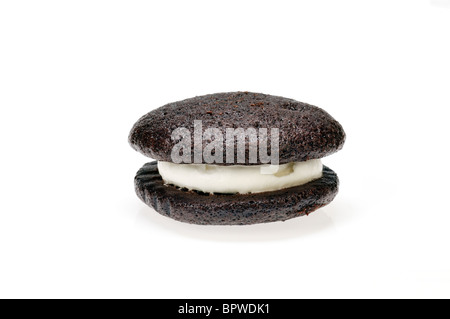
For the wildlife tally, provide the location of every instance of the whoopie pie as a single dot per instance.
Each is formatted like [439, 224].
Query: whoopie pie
[236, 158]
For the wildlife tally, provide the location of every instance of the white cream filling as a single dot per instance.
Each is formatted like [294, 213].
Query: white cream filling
[239, 178]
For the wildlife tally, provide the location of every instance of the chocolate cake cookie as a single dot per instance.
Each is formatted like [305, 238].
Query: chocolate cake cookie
[306, 131]
[213, 158]
[201, 208]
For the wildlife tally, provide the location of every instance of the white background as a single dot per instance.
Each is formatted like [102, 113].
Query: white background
[76, 75]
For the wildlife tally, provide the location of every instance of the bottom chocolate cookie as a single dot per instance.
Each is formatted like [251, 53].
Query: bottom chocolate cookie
[233, 209]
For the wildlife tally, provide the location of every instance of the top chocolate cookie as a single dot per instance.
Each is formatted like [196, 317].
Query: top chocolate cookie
[305, 131]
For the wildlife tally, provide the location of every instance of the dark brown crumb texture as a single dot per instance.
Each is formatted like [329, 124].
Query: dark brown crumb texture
[306, 131]
[222, 209]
